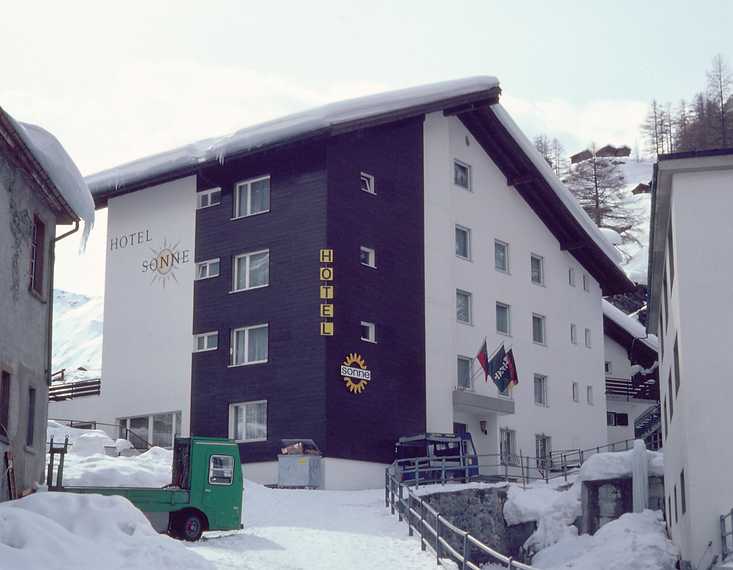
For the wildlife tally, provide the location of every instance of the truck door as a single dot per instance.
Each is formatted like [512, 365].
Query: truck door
[221, 497]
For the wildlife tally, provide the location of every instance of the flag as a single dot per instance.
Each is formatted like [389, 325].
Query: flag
[503, 369]
[483, 358]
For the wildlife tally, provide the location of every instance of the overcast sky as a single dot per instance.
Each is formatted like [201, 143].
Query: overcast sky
[118, 81]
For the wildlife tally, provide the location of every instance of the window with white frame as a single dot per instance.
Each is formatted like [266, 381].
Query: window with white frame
[463, 242]
[587, 338]
[586, 282]
[576, 392]
[205, 341]
[464, 372]
[462, 174]
[573, 333]
[249, 345]
[571, 276]
[463, 306]
[208, 268]
[608, 367]
[248, 421]
[508, 446]
[503, 318]
[210, 197]
[367, 183]
[252, 197]
[540, 389]
[589, 394]
[538, 329]
[543, 448]
[368, 257]
[537, 267]
[251, 270]
[368, 331]
[154, 429]
[501, 256]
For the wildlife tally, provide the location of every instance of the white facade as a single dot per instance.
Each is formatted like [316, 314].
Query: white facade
[148, 314]
[491, 210]
[690, 305]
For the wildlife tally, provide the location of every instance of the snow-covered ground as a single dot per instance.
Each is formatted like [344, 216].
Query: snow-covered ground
[77, 335]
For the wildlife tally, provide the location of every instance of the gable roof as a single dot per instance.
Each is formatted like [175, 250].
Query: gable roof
[630, 334]
[473, 100]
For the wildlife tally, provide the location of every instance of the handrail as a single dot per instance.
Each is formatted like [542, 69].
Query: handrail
[130, 435]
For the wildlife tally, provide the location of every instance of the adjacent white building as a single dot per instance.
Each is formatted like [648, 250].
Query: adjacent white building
[690, 301]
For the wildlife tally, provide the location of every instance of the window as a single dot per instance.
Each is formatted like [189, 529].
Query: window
[206, 269]
[589, 394]
[249, 345]
[164, 427]
[665, 299]
[683, 498]
[676, 514]
[163, 430]
[462, 175]
[205, 341]
[537, 268]
[501, 256]
[368, 331]
[540, 390]
[538, 329]
[608, 367]
[210, 197]
[5, 405]
[587, 338]
[573, 333]
[571, 276]
[617, 419]
[252, 197]
[367, 256]
[140, 429]
[669, 510]
[463, 306]
[503, 323]
[670, 249]
[31, 426]
[251, 270]
[586, 282]
[671, 396]
[367, 183]
[543, 447]
[677, 380]
[576, 392]
[666, 428]
[660, 336]
[248, 421]
[38, 245]
[221, 470]
[508, 446]
[465, 373]
[463, 242]
[610, 419]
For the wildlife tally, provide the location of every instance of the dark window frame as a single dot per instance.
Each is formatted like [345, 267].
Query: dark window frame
[31, 420]
[676, 356]
[5, 394]
[37, 261]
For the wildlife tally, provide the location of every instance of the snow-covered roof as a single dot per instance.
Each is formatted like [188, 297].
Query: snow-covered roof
[289, 128]
[630, 325]
[60, 168]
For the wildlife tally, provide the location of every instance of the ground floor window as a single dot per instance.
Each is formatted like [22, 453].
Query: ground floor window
[617, 419]
[248, 421]
[543, 450]
[508, 446]
[151, 430]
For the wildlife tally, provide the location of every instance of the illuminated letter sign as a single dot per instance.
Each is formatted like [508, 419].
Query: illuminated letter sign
[326, 292]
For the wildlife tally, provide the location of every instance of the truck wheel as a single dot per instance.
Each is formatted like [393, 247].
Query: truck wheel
[189, 526]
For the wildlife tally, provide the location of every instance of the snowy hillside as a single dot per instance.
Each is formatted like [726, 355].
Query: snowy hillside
[636, 255]
[77, 335]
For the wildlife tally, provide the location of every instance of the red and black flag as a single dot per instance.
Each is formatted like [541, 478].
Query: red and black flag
[483, 358]
[503, 369]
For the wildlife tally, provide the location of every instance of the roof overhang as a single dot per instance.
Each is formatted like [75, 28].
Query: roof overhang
[664, 171]
[25, 159]
[639, 352]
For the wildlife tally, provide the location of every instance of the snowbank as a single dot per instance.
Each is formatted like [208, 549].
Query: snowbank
[149, 469]
[64, 531]
[617, 464]
[91, 438]
[635, 541]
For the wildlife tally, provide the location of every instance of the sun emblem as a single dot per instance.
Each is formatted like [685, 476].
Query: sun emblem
[165, 262]
[355, 373]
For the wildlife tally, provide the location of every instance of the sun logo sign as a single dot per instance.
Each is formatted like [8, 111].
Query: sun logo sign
[165, 262]
[355, 373]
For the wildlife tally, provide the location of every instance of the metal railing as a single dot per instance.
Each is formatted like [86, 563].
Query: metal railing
[726, 536]
[137, 441]
[71, 390]
[647, 421]
[445, 539]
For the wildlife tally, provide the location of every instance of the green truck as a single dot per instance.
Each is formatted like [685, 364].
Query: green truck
[205, 493]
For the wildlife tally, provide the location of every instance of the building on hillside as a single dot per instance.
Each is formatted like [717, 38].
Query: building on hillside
[641, 188]
[612, 151]
[580, 156]
[336, 272]
[632, 383]
[690, 301]
[39, 188]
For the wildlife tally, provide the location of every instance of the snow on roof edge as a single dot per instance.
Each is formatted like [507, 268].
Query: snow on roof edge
[560, 189]
[285, 128]
[630, 325]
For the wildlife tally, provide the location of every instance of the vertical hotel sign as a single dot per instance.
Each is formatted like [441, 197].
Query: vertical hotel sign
[326, 292]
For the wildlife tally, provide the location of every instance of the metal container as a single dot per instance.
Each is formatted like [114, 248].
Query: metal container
[299, 464]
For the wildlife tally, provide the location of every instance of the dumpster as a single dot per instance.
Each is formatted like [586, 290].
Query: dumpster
[299, 464]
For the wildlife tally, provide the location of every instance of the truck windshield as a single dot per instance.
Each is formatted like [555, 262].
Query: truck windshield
[221, 470]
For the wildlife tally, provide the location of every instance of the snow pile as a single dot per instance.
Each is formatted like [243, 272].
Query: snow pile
[149, 469]
[85, 532]
[62, 171]
[77, 335]
[635, 541]
[618, 464]
[59, 432]
[288, 128]
[629, 324]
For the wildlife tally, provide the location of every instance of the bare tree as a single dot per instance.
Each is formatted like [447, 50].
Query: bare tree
[652, 129]
[557, 154]
[542, 144]
[598, 185]
[720, 88]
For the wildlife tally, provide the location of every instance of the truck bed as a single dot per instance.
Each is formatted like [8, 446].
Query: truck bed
[147, 499]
